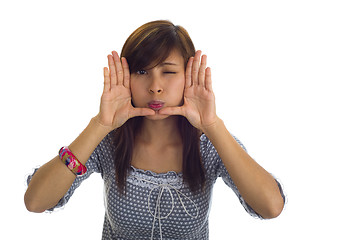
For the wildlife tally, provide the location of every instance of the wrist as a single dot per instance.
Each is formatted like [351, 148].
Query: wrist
[98, 127]
[88, 140]
[212, 128]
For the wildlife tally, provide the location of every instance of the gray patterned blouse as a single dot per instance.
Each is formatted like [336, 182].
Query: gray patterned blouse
[156, 206]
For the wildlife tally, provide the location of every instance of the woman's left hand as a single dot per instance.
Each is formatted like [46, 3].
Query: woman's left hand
[199, 101]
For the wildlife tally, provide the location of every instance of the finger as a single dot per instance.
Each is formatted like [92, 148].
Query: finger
[189, 72]
[208, 81]
[126, 73]
[113, 75]
[137, 112]
[106, 80]
[202, 71]
[172, 111]
[195, 67]
[118, 67]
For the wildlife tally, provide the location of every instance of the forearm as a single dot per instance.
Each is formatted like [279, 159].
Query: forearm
[83, 146]
[257, 187]
[50, 183]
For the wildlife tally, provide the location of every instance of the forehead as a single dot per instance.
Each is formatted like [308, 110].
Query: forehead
[174, 58]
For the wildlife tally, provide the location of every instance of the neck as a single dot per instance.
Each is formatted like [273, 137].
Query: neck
[160, 132]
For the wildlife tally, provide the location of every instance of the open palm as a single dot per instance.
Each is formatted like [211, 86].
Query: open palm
[199, 100]
[115, 106]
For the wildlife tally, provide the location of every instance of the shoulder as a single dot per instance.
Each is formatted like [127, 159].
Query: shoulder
[210, 158]
[208, 150]
[206, 147]
[212, 162]
[103, 156]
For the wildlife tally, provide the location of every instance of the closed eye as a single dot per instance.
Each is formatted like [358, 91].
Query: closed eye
[170, 72]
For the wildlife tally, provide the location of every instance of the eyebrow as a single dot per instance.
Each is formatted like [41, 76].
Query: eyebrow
[168, 63]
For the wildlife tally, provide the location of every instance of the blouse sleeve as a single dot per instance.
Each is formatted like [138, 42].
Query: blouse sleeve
[215, 168]
[93, 165]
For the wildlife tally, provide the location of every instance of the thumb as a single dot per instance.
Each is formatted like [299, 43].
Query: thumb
[172, 111]
[137, 112]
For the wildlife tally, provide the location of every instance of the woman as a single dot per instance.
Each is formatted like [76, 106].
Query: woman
[158, 144]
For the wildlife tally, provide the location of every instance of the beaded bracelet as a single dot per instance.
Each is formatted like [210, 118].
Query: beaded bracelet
[68, 158]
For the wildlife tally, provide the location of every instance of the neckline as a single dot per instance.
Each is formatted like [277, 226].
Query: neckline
[150, 172]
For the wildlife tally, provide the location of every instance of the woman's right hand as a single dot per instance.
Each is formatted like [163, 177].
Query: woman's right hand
[115, 106]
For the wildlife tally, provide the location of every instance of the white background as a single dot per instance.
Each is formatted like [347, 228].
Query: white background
[286, 76]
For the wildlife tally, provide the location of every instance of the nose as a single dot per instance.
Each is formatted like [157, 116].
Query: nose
[155, 91]
[155, 87]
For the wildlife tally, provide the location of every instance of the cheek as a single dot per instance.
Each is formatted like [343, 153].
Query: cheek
[135, 92]
[178, 91]
[181, 86]
[133, 83]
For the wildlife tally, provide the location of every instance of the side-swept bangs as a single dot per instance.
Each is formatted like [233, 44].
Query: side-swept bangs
[152, 43]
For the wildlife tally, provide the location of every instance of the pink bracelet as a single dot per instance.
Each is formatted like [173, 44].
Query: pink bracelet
[68, 158]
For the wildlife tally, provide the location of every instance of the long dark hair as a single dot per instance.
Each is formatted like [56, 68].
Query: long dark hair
[151, 44]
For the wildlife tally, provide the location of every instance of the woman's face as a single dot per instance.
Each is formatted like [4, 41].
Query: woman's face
[161, 86]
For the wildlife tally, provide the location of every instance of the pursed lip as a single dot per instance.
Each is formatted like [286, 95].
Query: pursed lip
[156, 104]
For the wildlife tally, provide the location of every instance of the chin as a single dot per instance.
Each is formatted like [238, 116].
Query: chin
[157, 116]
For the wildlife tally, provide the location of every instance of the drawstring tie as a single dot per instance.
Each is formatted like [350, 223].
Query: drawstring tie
[165, 187]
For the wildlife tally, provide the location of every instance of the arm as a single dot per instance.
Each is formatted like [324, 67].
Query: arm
[52, 180]
[257, 187]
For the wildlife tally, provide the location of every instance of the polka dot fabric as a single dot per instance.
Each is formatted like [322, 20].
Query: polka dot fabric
[156, 206]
